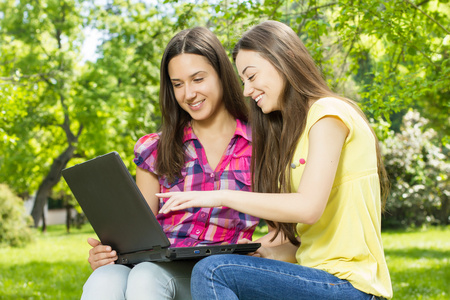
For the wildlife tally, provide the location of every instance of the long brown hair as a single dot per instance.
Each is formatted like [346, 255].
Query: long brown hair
[275, 135]
[200, 41]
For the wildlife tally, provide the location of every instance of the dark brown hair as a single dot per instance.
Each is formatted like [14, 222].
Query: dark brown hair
[200, 41]
[274, 136]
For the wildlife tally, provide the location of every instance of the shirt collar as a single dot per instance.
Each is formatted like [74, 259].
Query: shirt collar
[242, 129]
[189, 133]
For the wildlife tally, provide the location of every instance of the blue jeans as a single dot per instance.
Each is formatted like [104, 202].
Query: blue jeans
[243, 277]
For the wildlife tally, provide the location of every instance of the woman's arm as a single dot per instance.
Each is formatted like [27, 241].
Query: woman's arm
[326, 139]
[149, 186]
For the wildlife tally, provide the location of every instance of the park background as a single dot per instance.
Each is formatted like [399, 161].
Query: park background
[61, 104]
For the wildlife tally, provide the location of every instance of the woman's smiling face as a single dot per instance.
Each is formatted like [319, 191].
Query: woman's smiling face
[196, 85]
[262, 81]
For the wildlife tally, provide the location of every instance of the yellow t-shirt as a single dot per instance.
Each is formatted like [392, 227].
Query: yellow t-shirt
[346, 241]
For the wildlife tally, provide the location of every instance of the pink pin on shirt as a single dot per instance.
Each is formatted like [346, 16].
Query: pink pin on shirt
[301, 161]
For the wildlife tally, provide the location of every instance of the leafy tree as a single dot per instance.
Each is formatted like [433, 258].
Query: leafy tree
[405, 47]
[79, 110]
[42, 55]
[57, 110]
[11, 107]
[391, 55]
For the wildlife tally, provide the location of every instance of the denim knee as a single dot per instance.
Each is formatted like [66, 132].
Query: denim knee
[204, 269]
[206, 265]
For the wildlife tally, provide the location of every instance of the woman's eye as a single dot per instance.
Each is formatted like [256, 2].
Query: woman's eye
[198, 79]
[250, 78]
[176, 85]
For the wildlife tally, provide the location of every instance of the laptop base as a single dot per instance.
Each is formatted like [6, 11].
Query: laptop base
[185, 253]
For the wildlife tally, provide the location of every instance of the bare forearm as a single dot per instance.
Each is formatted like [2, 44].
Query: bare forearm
[288, 207]
[306, 205]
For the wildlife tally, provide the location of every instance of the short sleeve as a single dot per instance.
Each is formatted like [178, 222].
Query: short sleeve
[145, 152]
[330, 107]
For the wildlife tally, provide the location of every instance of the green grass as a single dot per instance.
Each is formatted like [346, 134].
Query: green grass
[55, 265]
[419, 263]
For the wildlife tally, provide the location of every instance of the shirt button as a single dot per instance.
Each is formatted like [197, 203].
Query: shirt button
[203, 215]
[211, 175]
[197, 231]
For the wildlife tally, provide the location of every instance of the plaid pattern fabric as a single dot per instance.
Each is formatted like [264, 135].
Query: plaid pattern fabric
[195, 226]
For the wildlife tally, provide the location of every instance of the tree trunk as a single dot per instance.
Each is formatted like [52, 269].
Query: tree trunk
[44, 223]
[52, 178]
[68, 216]
[59, 163]
[445, 210]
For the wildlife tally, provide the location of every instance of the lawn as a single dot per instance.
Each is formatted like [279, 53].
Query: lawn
[419, 263]
[55, 265]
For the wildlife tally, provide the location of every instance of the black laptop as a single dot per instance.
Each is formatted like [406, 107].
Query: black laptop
[121, 217]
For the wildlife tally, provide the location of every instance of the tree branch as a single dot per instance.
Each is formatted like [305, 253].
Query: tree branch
[320, 6]
[415, 47]
[423, 2]
[277, 5]
[428, 16]
[346, 55]
[311, 9]
[398, 59]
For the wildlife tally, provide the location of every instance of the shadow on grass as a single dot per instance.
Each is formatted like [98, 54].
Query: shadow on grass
[418, 273]
[417, 253]
[61, 230]
[421, 283]
[43, 280]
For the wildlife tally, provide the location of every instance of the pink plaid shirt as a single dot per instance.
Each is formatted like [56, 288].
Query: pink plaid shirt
[195, 226]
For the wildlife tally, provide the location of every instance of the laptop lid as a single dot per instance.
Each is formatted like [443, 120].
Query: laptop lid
[114, 205]
[121, 217]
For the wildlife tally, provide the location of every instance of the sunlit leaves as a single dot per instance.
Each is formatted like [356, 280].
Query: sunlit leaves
[389, 55]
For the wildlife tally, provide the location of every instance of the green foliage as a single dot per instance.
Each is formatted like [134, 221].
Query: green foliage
[38, 64]
[419, 175]
[14, 224]
[12, 107]
[389, 55]
[399, 54]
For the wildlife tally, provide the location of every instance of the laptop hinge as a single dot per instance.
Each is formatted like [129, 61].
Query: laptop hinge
[156, 248]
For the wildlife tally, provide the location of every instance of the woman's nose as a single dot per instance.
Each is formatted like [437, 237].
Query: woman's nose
[191, 93]
[248, 90]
